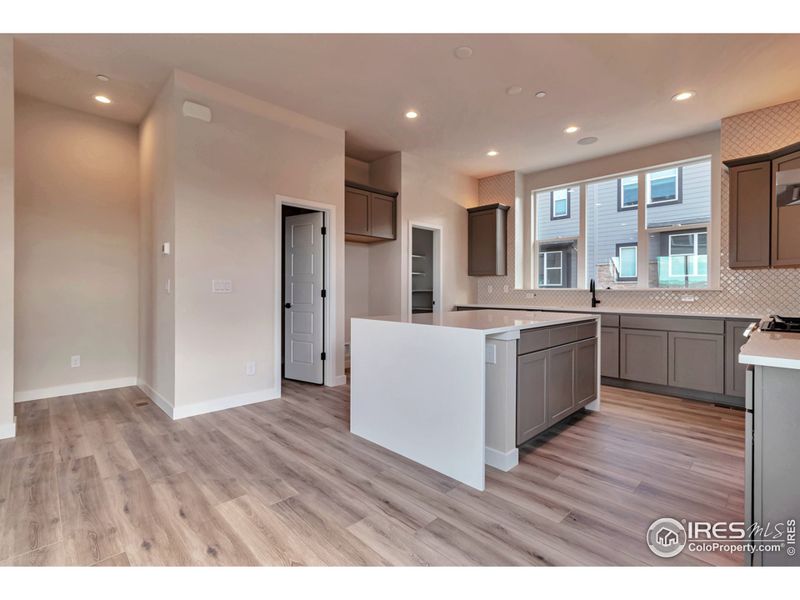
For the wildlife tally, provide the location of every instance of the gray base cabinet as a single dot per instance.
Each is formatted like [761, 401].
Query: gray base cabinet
[734, 370]
[531, 395]
[555, 382]
[697, 361]
[643, 355]
[609, 352]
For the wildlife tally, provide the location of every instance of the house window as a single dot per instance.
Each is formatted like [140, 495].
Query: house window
[628, 193]
[688, 254]
[552, 268]
[664, 187]
[626, 262]
[559, 204]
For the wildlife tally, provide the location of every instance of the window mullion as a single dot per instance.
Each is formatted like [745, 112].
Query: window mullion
[642, 252]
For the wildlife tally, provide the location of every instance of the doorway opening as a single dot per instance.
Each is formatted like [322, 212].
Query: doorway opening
[303, 294]
[425, 270]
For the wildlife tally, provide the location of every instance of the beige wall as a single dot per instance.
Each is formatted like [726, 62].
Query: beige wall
[6, 235]
[228, 173]
[76, 248]
[356, 280]
[356, 170]
[157, 225]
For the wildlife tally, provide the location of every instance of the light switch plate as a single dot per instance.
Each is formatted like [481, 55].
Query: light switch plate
[250, 367]
[165, 249]
[75, 361]
[221, 286]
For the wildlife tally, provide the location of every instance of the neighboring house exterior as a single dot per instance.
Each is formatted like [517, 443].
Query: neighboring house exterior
[676, 198]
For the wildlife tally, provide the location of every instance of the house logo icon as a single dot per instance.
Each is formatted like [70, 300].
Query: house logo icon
[666, 537]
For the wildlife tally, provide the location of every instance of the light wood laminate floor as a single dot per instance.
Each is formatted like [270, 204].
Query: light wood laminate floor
[107, 479]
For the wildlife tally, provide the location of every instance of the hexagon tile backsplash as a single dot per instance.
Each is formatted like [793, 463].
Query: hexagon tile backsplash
[746, 292]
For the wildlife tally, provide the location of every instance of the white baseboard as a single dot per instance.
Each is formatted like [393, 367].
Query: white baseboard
[505, 461]
[157, 398]
[209, 406]
[339, 380]
[8, 430]
[74, 388]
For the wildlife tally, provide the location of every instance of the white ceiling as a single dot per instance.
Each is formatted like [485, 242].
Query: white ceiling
[616, 87]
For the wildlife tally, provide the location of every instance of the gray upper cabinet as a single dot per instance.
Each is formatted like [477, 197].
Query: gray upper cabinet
[370, 215]
[734, 371]
[764, 212]
[487, 240]
[643, 355]
[531, 395]
[749, 224]
[785, 215]
[697, 361]
[609, 352]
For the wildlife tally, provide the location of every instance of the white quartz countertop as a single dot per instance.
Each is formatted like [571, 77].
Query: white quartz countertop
[617, 311]
[491, 321]
[772, 349]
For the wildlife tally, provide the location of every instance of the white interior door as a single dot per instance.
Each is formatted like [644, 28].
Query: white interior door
[303, 257]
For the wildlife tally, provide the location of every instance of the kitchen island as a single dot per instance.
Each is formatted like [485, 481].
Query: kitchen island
[458, 390]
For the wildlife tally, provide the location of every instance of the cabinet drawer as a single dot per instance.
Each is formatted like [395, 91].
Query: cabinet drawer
[531, 340]
[562, 335]
[585, 330]
[609, 320]
[672, 323]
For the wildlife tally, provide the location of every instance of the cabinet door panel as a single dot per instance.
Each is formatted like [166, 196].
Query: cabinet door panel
[531, 395]
[643, 355]
[609, 351]
[585, 371]
[482, 256]
[356, 211]
[785, 218]
[750, 201]
[734, 371]
[560, 382]
[381, 218]
[696, 361]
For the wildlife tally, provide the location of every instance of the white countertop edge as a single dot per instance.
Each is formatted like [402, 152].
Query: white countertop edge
[561, 319]
[769, 361]
[616, 311]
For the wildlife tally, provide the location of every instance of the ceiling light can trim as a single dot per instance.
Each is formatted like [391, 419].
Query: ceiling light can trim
[102, 99]
[684, 95]
[540, 94]
[411, 114]
[492, 153]
[571, 129]
[463, 52]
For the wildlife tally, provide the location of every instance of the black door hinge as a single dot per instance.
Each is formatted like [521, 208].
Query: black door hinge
[324, 293]
[324, 230]
[322, 356]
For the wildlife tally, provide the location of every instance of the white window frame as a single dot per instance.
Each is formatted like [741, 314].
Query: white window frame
[621, 206]
[530, 249]
[695, 245]
[559, 268]
[649, 183]
[620, 277]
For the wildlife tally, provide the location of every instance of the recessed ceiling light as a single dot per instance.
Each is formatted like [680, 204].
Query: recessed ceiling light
[514, 90]
[103, 99]
[492, 153]
[540, 94]
[681, 96]
[103, 78]
[463, 52]
[412, 114]
[571, 129]
[587, 140]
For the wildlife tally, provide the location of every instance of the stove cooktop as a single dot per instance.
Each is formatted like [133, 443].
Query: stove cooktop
[778, 323]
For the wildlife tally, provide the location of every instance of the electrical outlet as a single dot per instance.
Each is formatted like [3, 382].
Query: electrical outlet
[250, 367]
[530, 296]
[505, 289]
[168, 286]
[221, 286]
[75, 361]
[488, 289]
